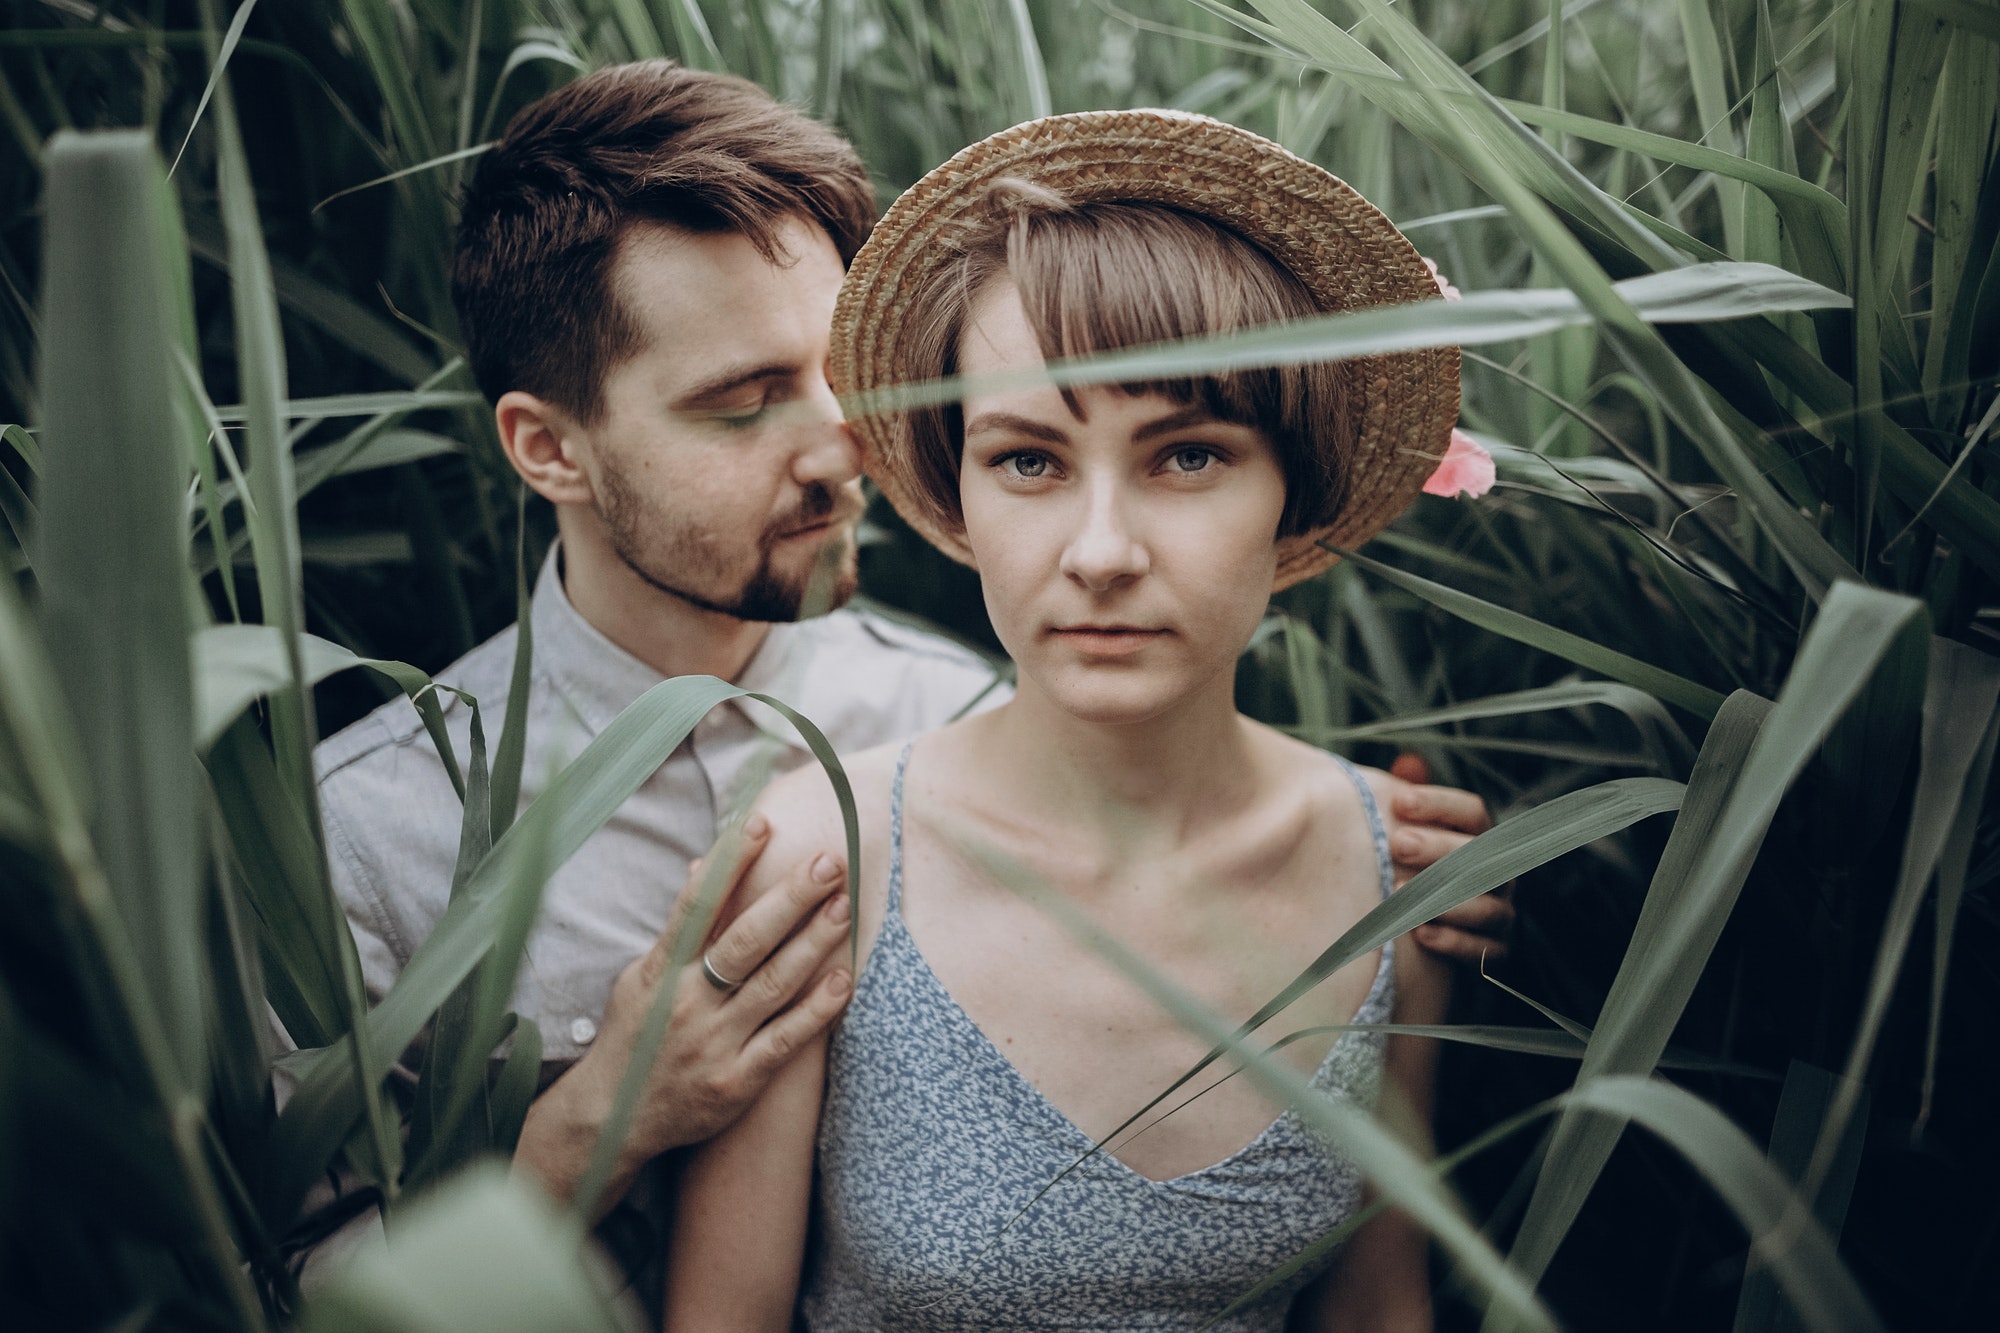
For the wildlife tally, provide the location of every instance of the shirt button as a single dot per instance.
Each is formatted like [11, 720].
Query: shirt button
[582, 1031]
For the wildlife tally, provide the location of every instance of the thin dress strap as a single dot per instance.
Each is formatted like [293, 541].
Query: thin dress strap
[895, 906]
[1385, 867]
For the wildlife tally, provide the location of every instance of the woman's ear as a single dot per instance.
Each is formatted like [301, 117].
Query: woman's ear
[545, 445]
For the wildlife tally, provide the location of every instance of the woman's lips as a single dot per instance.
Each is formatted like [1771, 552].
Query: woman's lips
[1107, 640]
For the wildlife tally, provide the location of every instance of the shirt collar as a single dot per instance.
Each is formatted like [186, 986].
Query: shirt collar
[599, 680]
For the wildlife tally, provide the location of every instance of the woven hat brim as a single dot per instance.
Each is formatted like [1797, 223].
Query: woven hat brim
[1347, 254]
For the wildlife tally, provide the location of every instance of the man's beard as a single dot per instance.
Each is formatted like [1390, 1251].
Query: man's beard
[767, 595]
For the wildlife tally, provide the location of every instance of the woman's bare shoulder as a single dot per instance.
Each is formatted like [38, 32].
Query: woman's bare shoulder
[805, 811]
[1312, 770]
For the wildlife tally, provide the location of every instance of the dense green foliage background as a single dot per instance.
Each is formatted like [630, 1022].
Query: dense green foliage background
[1794, 498]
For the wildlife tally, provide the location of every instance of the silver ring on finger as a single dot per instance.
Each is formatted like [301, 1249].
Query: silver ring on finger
[715, 978]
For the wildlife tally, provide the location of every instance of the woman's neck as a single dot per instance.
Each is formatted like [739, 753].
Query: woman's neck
[1153, 783]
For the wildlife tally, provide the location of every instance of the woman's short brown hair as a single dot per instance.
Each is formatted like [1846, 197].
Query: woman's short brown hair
[1101, 276]
[644, 142]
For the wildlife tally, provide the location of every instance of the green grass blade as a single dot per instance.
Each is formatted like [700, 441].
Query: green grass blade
[1952, 866]
[515, 1087]
[1741, 780]
[1652, 722]
[113, 563]
[113, 554]
[506, 792]
[428, 164]
[331, 311]
[691, 34]
[1959, 704]
[830, 58]
[489, 1252]
[1966, 14]
[362, 404]
[304, 936]
[379, 37]
[1971, 80]
[1034, 75]
[227, 49]
[1803, 1256]
[1557, 1043]
[1802, 1106]
[237, 664]
[1661, 684]
[444, 1091]
[635, 25]
[1706, 71]
[260, 363]
[23, 444]
[1766, 141]
[1634, 1028]
[17, 511]
[1818, 219]
[1918, 479]
[1697, 293]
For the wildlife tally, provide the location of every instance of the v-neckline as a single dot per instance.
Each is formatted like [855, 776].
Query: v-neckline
[956, 1013]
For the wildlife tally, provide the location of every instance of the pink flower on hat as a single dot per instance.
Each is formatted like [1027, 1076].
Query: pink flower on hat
[1467, 469]
[1450, 292]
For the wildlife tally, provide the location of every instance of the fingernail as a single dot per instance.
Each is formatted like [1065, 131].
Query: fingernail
[837, 910]
[1404, 846]
[756, 826]
[825, 869]
[837, 983]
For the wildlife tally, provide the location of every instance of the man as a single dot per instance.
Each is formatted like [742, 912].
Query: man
[645, 273]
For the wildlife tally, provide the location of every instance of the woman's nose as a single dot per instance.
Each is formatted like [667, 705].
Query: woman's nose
[1104, 551]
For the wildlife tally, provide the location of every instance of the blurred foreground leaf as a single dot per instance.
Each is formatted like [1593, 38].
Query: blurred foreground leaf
[487, 1252]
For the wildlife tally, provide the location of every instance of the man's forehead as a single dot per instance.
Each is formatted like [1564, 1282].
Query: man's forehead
[710, 301]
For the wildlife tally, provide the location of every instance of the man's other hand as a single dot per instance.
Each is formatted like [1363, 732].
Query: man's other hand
[722, 1046]
[1429, 823]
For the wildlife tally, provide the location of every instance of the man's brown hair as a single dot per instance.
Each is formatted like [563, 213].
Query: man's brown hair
[1100, 276]
[645, 142]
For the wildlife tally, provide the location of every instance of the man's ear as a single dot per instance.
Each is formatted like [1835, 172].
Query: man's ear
[545, 445]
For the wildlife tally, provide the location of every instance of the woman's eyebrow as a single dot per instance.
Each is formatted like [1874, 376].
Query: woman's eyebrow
[1173, 421]
[1009, 423]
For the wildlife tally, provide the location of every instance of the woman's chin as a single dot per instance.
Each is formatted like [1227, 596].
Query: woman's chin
[1113, 697]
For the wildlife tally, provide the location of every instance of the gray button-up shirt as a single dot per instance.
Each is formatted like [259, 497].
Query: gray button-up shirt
[392, 816]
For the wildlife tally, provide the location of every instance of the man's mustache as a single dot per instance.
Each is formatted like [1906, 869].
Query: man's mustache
[819, 504]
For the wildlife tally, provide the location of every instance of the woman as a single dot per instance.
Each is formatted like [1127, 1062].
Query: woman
[1127, 538]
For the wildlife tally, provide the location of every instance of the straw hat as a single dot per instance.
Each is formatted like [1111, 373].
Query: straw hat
[1338, 244]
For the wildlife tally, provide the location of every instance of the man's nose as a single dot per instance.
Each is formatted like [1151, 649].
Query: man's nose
[1104, 551]
[827, 451]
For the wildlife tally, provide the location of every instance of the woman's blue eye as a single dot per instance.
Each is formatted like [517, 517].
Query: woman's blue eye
[1026, 466]
[1192, 459]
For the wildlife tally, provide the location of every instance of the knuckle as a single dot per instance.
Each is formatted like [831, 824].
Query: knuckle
[722, 1085]
[782, 1046]
[765, 987]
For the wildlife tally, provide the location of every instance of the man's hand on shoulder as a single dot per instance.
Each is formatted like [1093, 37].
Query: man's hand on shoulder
[1426, 824]
[723, 1045]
